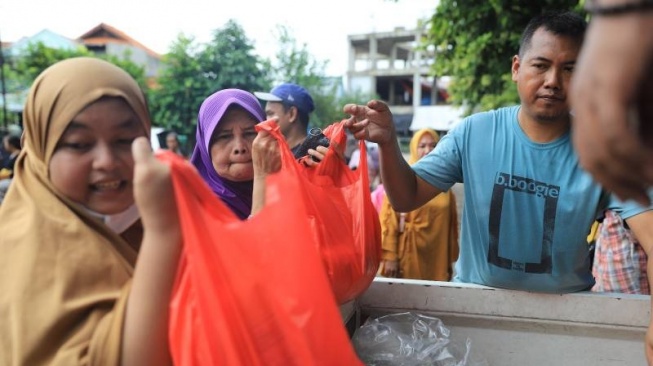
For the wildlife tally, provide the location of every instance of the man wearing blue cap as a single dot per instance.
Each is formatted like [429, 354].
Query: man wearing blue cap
[291, 104]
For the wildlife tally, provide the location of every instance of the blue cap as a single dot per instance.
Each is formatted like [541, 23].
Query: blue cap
[289, 94]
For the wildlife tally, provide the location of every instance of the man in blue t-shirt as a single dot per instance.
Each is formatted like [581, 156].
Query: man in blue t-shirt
[528, 204]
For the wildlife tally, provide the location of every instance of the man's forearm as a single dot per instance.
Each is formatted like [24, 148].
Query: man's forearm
[146, 324]
[399, 180]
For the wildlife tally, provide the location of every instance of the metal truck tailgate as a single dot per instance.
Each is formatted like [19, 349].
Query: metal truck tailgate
[521, 328]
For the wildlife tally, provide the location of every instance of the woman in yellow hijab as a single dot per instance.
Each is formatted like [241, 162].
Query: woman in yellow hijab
[421, 244]
[70, 231]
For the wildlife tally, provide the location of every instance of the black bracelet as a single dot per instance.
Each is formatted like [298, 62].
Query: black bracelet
[643, 5]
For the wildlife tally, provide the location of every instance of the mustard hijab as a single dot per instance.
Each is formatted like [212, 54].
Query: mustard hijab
[415, 141]
[64, 275]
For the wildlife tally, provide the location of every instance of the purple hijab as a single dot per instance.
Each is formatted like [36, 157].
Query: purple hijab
[237, 195]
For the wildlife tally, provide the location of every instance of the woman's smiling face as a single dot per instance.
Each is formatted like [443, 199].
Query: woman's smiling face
[92, 163]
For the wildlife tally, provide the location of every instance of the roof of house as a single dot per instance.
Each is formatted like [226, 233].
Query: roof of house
[104, 33]
[47, 37]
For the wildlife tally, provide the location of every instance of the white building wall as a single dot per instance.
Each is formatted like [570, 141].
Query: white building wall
[364, 84]
[136, 55]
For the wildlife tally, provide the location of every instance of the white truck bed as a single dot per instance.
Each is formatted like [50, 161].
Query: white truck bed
[519, 328]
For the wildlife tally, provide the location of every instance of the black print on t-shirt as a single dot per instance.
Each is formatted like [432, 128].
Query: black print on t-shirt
[549, 193]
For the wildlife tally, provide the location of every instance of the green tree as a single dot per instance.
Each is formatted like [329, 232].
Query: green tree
[180, 88]
[295, 64]
[38, 57]
[135, 70]
[192, 72]
[20, 71]
[229, 61]
[475, 42]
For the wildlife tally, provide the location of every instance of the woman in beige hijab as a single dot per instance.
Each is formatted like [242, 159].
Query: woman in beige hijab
[70, 290]
[421, 244]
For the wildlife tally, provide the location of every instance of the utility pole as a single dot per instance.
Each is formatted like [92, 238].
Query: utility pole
[4, 90]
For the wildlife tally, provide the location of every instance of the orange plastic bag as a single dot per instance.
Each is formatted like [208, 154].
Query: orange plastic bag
[342, 218]
[251, 292]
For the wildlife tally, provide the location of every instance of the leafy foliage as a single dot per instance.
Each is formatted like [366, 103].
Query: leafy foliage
[295, 64]
[475, 43]
[38, 57]
[229, 61]
[21, 71]
[192, 72]
[180, 90]
[135, 70]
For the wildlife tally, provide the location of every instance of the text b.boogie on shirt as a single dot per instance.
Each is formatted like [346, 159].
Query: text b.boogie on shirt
[526, 185]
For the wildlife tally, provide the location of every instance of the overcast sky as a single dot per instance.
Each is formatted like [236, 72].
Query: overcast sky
[322, 25]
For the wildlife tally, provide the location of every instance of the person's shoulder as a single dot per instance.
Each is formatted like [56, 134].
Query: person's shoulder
[482, 121]
[494, 115]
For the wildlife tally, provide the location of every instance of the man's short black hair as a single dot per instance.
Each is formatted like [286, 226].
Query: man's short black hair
[567, 24]
[13, 140]
[301, 115]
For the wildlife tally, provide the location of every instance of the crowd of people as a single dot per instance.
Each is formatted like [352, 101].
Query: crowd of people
[91, 238]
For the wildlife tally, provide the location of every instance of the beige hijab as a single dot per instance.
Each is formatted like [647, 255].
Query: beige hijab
[414, 142]
[64, 275]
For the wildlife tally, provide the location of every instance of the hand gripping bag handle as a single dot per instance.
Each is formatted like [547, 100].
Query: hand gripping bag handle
[243, 297]
[341, 213]
[367, 228]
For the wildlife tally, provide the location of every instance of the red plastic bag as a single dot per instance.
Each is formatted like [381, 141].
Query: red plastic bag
[342, 217]
[251, 292]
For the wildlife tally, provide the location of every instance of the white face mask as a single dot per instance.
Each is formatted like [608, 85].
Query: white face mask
[123, 220]
[119, 222]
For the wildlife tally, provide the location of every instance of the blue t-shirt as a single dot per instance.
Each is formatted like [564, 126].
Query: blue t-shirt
[528, 206]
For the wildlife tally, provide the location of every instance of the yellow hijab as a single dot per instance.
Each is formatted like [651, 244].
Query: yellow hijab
[64, 275]
[415, 141]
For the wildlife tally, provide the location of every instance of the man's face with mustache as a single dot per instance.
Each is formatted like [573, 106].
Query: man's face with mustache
[543, 73]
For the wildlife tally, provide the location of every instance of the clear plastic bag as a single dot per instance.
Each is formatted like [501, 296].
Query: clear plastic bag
[409, 339]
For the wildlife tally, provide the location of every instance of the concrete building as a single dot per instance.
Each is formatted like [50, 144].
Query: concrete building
[393, 66]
